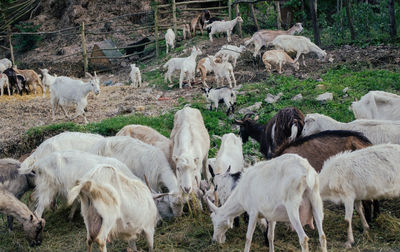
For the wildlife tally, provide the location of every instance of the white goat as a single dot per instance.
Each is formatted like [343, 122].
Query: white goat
[58, 172]
[191, 142]
[221, 94]
[48, 80]
[4, 83]
[282, 189]
[4, 64]
[114, 205]
[174, 64]
[223, 26]
[230, 52]
[61, 142]
[223, 70]
[378, 105]
[67, 91]
[377, 131]
[135, 76]
[145, 161]
[298, 44]
[189, 67]
[366, 174]
[278, 58]
[170, 39]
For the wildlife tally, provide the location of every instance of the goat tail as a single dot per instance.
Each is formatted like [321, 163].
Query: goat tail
[76, 190]
[247, 42]
[27, 165]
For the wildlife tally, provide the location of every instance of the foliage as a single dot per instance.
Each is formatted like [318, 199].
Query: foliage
[25, 43]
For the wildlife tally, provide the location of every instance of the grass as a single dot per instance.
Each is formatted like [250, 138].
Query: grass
[194, 233]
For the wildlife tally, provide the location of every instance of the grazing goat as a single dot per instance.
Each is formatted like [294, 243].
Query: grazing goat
[4, 83]
[287, 124]
[190, 145]
[135, 76]
[13, 182]
[48, 80]
[283, 189]
[299, 45]
[144, 161]
[150, 136]
[137, 47]
[378, 105]
[377, 131]
[4, 64]
[370, 173]
[114, 205]
[204, 67]
[278, 58]
[61, 142]
[67, 91]
[223, 70]
[223, 26]
[264, 37]
[186, 31]
[174, 64]
[32, 224]
[59, 171]
[17, 82]
[170, 39]
[31, 77]
[230, 52]
[189, 67]
[221, 95]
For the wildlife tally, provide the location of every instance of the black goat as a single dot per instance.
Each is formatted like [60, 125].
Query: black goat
[17, 81]
[286, 124]
[137, 46]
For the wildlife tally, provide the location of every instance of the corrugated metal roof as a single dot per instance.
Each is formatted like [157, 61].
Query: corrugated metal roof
[110, 54]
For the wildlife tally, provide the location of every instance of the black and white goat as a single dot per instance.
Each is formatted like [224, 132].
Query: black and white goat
[221, 95]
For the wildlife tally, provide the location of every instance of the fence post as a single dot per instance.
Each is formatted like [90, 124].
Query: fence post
[174, 15]
[254, 16]
[230, 9]
[278, 16]
[11, 46]
[84, 52]
[239, 24]
[156, 30]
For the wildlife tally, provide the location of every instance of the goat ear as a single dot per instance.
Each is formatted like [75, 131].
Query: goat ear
[256, 118]
[211, 205]
[31, 218]
[240, 122]
[204, 90]
[211, 171]
[95, 75]
[88, 75]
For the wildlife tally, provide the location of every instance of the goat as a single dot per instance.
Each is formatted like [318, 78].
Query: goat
[173, 64]
[48, 80]
[264, 37]
[210, 21]
[4, 83]
[17, 82]
[369, 173]
[299, 44]
[189, 67]
[116, 205]
[204, 67]
[378, 105]
[278, 57]
[223, 26]
[33, 225]
[286, 124]
[283, 189]
[230, 52]
[186, 31]
[4, 64]
[31, 77]
[190, 145]
[137, 47]
[170, 39]
[135, 76]
[377, 131]
[223, 70]
[67, 91]
[144, 161]
[13, 182]
[219, 95]
[58, 172]
[199, 21]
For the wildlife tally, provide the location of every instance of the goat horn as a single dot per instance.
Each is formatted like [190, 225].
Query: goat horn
[246, 116]
[216, 198]
[159, 195]
[147, 183]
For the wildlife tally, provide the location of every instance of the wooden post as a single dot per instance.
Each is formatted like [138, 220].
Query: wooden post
[230, 9]
[156, 30]
[239, 28]
[317, 38]
[392, 20]
[84, 52]
[254, 16]
[174, 15]
[349, 21]
[278, 16]
[11, 46]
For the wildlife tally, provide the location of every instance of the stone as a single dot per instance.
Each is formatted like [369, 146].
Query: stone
[251, 108]
[325, 97]
[320, 86]
[297, 97]
[273, 98]
[345, 89]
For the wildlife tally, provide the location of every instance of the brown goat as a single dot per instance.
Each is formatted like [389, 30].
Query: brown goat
[33, 225]
[31, 77]
[319, 147]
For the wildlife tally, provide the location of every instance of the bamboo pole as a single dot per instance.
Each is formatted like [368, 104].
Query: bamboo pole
[174, 15]
[239, 24]
[254, 16]
[84, 52]
[156, 30]
[230, 9]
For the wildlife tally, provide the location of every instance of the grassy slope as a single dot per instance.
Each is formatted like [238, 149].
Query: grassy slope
[190, 233]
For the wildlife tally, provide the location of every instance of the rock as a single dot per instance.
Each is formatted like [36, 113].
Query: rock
[347, 47]
[297, 97]
[345, 95]
[60, 51]
[330, 59]
[325, 97]
[319, 80]
[140, 108]
[251, 108]
[273, 98]
[118, 84]
[320, 86]
[108, 83]
[345, 89]
[124, 64]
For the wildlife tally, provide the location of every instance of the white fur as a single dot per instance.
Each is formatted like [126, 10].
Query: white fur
[378, 105]
[377, 131]
[4, 83]
[135, 76]
[214, 95]
[191, 142]
[365, 174]
[48, 80]
[189, 67]
[66, 91]
[170, 38]
[299, 44]
[223, 70]
[174, 64]
[279, 58]
[230, 52]
[124, 204]
[204, 67]
[223, 26]
[4, 64]
[277, 190]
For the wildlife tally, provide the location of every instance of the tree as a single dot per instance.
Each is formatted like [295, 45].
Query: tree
[392, 19]
[348, 14]
[313, 11]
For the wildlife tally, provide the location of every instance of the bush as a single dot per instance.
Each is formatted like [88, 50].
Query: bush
[26, 43]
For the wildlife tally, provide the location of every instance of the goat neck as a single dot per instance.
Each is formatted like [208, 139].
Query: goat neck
[255, 130]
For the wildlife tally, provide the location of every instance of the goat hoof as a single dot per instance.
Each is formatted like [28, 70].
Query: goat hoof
[347, 245]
